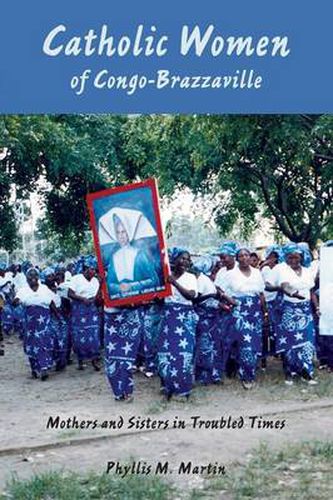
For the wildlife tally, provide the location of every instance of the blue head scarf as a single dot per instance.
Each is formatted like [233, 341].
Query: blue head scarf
[242, 247]
[175, 252]
[274, 249]
[78, 265]
[32, 269]
[291, 248]
[204, 264]
[90, 261]
[307, 256]
[26, 265]
[228, 248]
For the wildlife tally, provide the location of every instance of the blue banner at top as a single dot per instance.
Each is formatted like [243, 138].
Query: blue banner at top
[141, 56]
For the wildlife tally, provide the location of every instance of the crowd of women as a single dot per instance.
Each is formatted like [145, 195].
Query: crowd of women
[226, 315]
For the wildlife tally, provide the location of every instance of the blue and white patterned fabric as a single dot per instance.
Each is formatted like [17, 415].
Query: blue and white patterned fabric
[275, 249]
[38, 340]
[248, 324]
[122, 334]
[60, 331]
[208, 352]
[8, 320]
[176, 252]
[176, 346]
[85, 330]
[274, 315]
[204, 264]
[150, 317]
[306, 254]
[296, 333]
[229, 248]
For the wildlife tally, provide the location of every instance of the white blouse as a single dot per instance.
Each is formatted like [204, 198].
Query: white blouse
[221, 279]
[207, 287]
[270, 276]
[239, 285]
[302, 284]
[188, 281]
[42, 297]
[83, 287]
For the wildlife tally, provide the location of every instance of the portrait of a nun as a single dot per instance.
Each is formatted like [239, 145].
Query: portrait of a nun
[130, 269]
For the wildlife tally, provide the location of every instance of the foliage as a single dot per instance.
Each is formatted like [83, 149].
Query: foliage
[293, 472]
[280, 166]
[70, 486]
[283, 164]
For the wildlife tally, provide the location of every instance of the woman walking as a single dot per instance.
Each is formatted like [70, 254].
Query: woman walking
[296, 332]
[38, 338]
[246, 286]
[176, 341]
[83, 290]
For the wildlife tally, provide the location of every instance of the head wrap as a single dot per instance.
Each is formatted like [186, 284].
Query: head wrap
[307, 255]
[291, 248]
[59, 267]
[48, 271]
[78, 265]
[32, 270]
[90, 261]
[228, 248]
[135, 223]
[274, 249]
[26, 265]
[175, 252]
[204, 264]
[240, 248]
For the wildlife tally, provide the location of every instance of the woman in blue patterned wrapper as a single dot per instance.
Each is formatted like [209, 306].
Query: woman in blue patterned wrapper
[176, 342]
[83, 291]
[228, 252]
[58, 323]
[296, 333]
[209, 334]
[245, 284]
[130, 271]
[38, 339]
[122, 336]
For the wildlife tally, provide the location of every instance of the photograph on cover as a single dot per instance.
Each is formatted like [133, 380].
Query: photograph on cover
[129, 243]
[117, 386]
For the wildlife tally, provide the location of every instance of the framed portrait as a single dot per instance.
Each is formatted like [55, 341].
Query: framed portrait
[129, 243]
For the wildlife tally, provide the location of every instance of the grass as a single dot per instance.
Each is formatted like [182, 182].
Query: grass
[62, 486]
[296, 472]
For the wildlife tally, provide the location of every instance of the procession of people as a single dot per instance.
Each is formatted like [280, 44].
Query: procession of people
[228, 313]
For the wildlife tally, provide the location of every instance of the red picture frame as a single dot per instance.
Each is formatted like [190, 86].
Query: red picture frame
[99, 204]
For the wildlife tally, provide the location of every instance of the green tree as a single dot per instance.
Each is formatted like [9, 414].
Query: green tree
[280, 164]
[74, 154]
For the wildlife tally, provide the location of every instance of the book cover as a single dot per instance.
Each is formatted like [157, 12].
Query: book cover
[166, 186]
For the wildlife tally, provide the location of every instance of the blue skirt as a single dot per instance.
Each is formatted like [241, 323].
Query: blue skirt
[150, 318]
[122, 333]
[176, 344]
[85, 330]
[296, 338]
[38, 339]
[8, 319]
[248, 324]
[60, 329]
[208, 353]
